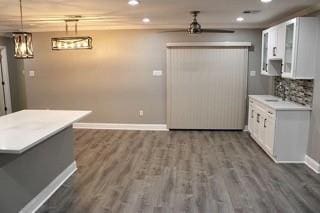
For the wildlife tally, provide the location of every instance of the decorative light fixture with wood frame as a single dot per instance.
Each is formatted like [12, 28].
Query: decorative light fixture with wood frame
[71, 43]
[22, 41]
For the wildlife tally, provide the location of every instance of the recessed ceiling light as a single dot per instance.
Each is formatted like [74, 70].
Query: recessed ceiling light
[146, 20]
[266, 1]
[240, 19]
[133, 2]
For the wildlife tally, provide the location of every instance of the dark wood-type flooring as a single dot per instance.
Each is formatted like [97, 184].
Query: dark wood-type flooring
[181, 171]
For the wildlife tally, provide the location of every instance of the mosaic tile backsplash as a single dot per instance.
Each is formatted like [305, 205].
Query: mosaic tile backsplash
[299, 91]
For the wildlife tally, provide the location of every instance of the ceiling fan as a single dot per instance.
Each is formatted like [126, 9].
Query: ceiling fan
[195, 27]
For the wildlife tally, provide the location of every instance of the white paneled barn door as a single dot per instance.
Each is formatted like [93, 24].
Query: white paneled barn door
[207, 86]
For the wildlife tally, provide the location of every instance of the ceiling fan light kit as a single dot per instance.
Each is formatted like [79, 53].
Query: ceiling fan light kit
[195, 27]
[23, 48]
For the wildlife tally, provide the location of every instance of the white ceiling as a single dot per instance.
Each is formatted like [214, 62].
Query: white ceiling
[48, 15]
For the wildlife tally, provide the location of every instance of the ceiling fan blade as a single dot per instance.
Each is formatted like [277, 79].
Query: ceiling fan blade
[216, 31]
[174, 31]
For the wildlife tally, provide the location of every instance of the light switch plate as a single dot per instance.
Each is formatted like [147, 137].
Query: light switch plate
[32, 73]
[157, 72]
[253, 73]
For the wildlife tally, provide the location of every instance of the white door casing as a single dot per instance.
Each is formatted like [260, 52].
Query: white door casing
[5, 97]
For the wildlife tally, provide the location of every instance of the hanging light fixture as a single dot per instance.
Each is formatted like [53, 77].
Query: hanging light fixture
[71, 43]
[22, 41]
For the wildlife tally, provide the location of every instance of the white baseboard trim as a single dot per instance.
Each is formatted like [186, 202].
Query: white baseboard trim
[115, 126]
[47, 192]
[312, 164]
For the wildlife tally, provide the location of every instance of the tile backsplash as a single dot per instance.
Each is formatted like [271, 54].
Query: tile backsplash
[299, 91]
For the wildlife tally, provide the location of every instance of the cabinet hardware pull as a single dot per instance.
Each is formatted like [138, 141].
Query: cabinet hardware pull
[258, 118]
[274, 51]
[252, 113]
[264, 124]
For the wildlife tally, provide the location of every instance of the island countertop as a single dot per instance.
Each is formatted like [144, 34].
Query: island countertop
[25, 129]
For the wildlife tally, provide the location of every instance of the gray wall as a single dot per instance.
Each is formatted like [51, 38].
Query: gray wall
[314, 139]
[114, 79]
[16, 77]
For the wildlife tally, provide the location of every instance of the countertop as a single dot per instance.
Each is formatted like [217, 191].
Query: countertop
[280, 104]
[22, 130]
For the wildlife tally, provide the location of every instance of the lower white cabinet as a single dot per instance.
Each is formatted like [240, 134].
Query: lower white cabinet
[262, 126]
[282, 134]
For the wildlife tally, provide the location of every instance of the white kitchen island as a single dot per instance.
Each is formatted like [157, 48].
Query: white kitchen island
[36, 156]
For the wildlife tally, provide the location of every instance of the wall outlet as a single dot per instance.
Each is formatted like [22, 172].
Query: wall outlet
[157, 72]
[32, 73]
[140, 113]
[253, 73]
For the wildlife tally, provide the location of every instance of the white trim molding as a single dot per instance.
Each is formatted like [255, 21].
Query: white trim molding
[312, 164]
[210, 44]
[5, 71]
[116, 126]
[47, 192]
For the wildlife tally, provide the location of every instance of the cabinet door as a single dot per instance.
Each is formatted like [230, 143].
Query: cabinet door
[290, 48]
[262, 133]
[256, 125]
[269, 126]
[281, 40]
[251, 117]
[265, 51]
[272, 43]
[258, 135]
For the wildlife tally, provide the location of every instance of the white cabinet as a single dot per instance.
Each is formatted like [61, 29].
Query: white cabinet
[265, 52]
[272, 50]
[262, 126]
[269, 124]
[300, 48]
[279, 47]
[289, 49]
[251, 117]
[276, 50]
[282, 134]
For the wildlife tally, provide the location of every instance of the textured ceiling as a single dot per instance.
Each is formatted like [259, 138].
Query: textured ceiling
[48, 15]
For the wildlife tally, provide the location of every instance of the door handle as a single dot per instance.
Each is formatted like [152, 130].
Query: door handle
[264, 123]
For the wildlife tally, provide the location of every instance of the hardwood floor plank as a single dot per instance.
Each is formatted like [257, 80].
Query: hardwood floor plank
[181, 171]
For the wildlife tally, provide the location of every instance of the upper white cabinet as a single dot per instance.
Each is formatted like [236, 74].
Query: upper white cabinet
[272, 50]
[265, 50]
[289, 49]
[277, 35]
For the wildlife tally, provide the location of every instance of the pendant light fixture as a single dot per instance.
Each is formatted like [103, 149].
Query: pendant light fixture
[22, 41]
[71, 43]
